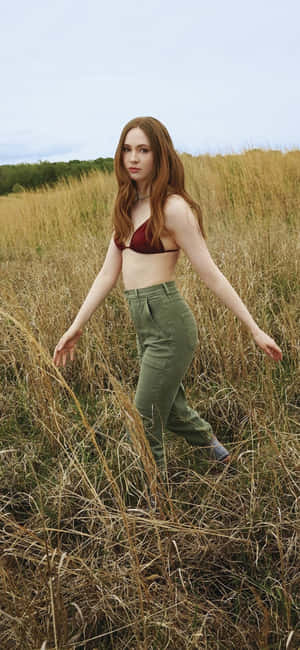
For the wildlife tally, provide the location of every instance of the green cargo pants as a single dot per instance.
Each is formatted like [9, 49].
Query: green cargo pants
[166, 336]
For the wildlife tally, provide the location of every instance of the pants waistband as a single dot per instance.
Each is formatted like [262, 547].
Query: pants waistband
[164, 288]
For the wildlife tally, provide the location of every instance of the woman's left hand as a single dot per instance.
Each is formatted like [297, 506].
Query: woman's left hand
[268, 345]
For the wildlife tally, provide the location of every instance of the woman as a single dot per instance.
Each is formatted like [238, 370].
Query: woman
[154, 215]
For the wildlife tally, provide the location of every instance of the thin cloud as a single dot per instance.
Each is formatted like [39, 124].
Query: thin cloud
[219, 76]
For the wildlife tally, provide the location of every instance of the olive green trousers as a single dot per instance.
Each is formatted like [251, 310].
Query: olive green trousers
[166, 336]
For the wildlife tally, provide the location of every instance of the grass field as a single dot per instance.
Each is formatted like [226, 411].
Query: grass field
[217, 567]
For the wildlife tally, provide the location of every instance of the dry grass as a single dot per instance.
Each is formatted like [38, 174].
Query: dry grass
[84, 563]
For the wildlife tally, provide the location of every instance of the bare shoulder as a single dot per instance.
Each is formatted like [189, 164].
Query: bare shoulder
[178, 213]
[175, 202]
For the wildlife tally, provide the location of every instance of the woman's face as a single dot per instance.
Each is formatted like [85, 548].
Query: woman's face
[137, 153]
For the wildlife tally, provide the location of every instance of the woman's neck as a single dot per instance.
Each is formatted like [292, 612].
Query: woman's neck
[143, 189]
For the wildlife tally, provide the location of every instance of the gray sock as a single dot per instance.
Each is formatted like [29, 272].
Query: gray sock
[218, 451]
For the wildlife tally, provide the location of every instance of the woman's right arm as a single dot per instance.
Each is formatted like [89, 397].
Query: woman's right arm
[102, 285]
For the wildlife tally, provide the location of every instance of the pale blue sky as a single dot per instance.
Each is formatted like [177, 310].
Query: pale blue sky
[222, 76]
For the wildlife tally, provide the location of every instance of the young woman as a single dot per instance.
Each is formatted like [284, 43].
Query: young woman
[154, 218]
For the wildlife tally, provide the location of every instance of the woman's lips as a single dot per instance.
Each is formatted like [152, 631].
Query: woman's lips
[134, 169]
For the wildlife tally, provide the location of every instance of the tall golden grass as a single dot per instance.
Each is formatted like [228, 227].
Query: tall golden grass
[86, 561]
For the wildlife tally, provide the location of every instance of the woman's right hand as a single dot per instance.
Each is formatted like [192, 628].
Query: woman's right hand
[66, 346]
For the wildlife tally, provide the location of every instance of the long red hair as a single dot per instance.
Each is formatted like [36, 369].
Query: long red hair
[167, 178]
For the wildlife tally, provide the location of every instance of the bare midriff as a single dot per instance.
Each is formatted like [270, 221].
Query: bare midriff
[142, 270]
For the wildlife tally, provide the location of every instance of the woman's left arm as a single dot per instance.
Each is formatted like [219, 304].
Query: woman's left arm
[183, 225]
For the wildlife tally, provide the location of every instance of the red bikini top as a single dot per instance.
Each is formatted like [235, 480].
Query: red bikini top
[140, 245]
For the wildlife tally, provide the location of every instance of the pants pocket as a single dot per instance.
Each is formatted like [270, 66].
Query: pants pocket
[157, 317]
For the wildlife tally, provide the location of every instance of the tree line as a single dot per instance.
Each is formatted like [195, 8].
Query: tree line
[17, 178]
